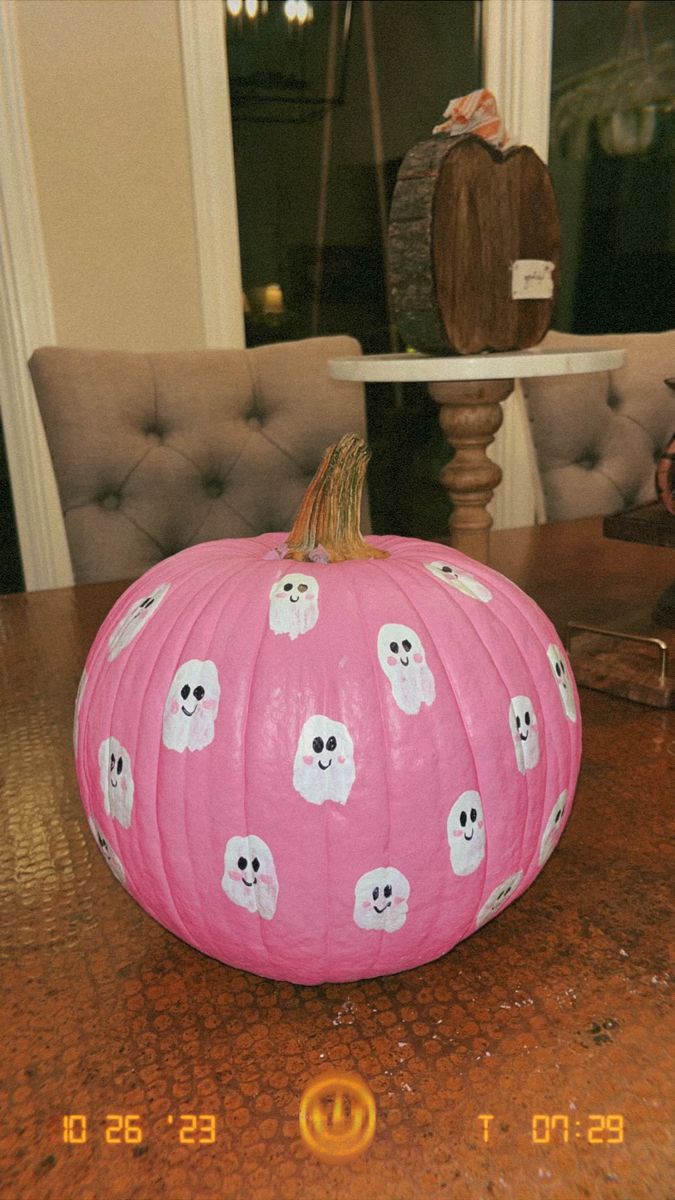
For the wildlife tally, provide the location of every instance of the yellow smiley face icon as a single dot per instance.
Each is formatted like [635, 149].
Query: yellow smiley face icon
[337, 1117]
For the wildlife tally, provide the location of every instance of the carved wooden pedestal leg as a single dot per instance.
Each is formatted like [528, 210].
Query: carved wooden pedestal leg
[470, 415]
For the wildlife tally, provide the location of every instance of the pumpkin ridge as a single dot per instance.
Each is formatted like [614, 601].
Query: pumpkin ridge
[505, 627]
[239, 568]
[261, 934]
[431, 641]
[488, 798]
[454, 692]
[176, 589]
[126, 655]
[381, 943]
[533, 631]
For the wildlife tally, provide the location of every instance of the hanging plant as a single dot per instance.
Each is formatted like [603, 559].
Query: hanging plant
[319, 757]
[623, 98]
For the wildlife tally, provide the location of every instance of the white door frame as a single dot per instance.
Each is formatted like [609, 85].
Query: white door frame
[26, 321]
[26, 312]
[517, 46]
[207, 103]
[517, 52]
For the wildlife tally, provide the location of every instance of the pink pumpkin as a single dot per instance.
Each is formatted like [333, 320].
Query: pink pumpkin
[326, 770]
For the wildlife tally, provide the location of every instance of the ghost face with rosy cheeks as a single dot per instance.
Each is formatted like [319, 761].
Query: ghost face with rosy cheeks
[294, 604]
[403, 661]
[191, 706]
[117, 783]
[466, 834]
[501, 896]
[250, 878]
[562, 678]
[460, 580]
[107, 852]
[134, 620]
[553, 829]
[324, 761]
[381, 900]
[524, 731]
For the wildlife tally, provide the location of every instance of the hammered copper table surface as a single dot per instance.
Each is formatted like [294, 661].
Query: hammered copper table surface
[558, 1007]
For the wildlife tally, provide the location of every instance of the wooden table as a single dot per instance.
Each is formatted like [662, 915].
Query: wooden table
[553, 1018]
[469, 389]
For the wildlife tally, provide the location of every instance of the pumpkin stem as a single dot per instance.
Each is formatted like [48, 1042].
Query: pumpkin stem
[329, 516]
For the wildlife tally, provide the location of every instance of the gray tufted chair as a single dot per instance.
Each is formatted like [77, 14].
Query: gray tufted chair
[598, 437]
[156, 452]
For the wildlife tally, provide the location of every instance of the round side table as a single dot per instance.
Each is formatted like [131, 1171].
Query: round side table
[469, 389]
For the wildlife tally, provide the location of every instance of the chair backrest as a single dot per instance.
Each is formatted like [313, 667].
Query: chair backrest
[156, 452]
[598, 437]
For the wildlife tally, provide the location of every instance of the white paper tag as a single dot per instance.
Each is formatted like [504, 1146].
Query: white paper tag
[531, 279]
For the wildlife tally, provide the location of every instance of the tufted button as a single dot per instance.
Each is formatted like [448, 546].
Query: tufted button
[254, 423]
[613, 401]
[110, 501]
[589, 460]
[155, 430]
[214, 488]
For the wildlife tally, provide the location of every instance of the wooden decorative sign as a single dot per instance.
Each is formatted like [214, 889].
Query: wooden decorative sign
[474, 246]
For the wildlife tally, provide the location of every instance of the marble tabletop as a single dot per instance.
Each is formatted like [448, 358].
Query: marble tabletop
[412, 367]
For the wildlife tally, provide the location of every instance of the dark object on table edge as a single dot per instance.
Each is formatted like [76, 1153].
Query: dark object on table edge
[654, 525]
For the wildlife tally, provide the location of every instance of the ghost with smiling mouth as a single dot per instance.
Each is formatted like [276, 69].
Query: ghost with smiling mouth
[381, 900]
[561, 676]
[108, 852]
[466, 833]
[462, 581]
[191, 706]
[553, 828]
[134, 620]
[524, 731]
[116, 779]
[294, 604]
[402, 658]
[324, 766]
[250, 877]
[498, 898]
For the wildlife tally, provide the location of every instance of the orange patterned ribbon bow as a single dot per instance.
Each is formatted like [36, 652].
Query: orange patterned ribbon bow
[475, 113]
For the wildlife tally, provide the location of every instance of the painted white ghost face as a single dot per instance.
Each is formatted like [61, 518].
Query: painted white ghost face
[78, 704]
[553, 829]
[466, 834]
[524, 731]
[403, 661]
[324, 766]
[461, 580]
[116, 779]
[381, 900]
[191, 706]
[135, 620]
[250, 878]
[501, 896]
[562, 678]
[107, 852]
[294, 604]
